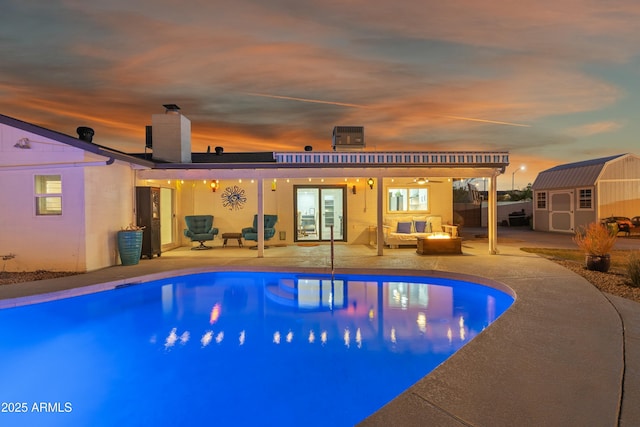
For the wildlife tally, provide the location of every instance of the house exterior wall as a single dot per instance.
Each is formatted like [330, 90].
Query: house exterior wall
[109, 207]
[197, 198]
[82, 238]
[52, 242]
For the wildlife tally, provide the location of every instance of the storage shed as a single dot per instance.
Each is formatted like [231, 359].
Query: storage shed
[575, 194]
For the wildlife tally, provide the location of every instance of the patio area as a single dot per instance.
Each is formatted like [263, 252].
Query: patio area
[563, 354]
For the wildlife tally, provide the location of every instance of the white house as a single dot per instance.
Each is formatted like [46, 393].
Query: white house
[575, 194]
[66, 197]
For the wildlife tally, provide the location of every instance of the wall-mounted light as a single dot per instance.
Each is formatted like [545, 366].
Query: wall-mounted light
[353, 189]
[23, 143]
[273, 185]
[370, 183]
[214, 185]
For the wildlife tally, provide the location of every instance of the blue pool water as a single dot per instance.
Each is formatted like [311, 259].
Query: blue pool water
[233, 349]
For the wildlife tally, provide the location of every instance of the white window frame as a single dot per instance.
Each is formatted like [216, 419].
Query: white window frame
[47, 195]
[580, 199]
[406, 208]
[542, 196]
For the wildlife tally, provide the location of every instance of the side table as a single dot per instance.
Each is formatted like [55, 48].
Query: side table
[227, 236]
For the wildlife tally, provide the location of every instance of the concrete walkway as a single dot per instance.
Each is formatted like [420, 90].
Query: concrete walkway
[564, 354]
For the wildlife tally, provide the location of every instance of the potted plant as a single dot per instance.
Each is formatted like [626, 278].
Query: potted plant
[130, 244]
[596, 240]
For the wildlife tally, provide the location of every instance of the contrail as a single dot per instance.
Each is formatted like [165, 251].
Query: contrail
[487, 121]
[344, 104]
[315, 101]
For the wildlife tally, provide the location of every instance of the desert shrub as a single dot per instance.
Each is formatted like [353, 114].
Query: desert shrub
[633, 268]
[595, 239]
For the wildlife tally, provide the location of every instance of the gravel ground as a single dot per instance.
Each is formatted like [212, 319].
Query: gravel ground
[613, 282]
[7, 277]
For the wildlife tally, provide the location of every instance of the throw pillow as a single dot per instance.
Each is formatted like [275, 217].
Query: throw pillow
[420, 226]
[404, 227]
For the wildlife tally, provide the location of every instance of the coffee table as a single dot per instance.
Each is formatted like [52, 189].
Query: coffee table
[227, 236]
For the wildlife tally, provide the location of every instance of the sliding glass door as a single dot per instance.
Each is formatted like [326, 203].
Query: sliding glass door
[317, 209]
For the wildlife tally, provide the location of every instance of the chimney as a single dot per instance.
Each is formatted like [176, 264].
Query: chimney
[171, 135]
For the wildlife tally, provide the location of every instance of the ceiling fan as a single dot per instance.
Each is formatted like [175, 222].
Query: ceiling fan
[423, 181]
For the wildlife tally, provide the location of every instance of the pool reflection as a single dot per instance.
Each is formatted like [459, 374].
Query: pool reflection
[395, 315]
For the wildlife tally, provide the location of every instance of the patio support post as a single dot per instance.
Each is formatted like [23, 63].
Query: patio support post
[379, 214]
[492, 215]
[260, 222]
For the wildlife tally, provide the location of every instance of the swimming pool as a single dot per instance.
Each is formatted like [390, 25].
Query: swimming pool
[234, 348]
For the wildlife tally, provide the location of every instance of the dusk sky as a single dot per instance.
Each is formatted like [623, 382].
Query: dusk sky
[549, 81]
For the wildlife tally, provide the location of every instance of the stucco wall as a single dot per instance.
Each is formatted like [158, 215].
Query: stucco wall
[53, 242]
[196, 197]
[97, 200]
[109, 206]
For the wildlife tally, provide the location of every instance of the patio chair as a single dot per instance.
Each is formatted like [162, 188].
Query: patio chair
[200, 229]
[251, 233]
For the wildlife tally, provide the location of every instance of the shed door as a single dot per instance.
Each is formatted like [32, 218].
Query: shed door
[561, 211]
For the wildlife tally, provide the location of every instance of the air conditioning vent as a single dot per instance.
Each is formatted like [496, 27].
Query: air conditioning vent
[348, 138]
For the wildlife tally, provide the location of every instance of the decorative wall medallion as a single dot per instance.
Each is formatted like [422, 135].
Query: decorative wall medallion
[233, 198]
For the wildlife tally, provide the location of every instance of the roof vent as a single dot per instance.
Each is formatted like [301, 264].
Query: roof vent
[85, 133]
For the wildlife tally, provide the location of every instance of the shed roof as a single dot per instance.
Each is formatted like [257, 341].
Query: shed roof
[571, 175]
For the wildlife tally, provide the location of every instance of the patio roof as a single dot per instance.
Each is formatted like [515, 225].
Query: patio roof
[334, 164]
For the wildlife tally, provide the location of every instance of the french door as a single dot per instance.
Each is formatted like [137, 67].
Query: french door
[317, 209]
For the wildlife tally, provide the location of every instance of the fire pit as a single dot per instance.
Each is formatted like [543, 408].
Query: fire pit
[439, 245]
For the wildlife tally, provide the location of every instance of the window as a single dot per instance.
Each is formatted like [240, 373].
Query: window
[541, 200]
[48, 192]
[407, 200]
[585, 198]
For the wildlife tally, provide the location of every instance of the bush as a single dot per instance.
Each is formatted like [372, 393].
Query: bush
[633, 269]
[595, 239]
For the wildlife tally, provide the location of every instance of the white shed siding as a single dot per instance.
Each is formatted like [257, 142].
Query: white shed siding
[616, 188]
[619, 188]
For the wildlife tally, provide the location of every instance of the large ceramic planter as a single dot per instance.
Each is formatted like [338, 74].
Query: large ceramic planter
[130, 246]
[598, 262]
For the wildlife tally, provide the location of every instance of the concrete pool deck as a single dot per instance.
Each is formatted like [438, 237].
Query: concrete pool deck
[563, 354]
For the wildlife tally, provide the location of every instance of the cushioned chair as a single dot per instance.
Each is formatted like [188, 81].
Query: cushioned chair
[200, 229]
[251, 233]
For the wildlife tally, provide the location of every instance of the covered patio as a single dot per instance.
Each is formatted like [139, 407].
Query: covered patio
[367, 178]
